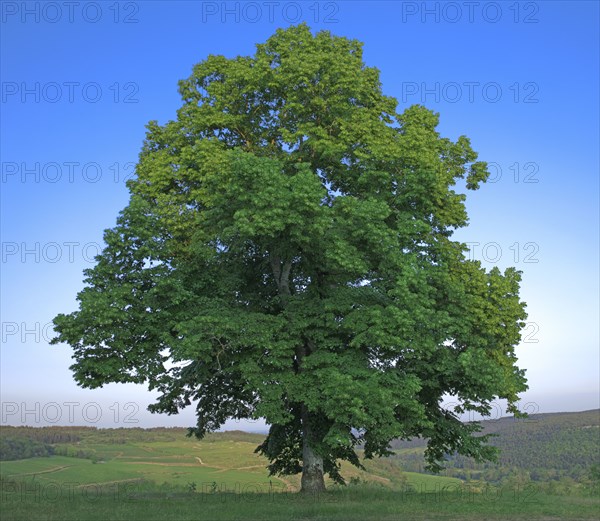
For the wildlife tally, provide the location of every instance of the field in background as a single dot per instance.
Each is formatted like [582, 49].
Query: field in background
[171, 459]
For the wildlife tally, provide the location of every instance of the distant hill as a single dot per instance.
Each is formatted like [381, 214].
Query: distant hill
[546, 445]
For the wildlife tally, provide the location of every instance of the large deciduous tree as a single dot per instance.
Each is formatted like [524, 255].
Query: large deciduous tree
[287, 254]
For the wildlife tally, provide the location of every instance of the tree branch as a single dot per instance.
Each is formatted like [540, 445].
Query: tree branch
[282, 275]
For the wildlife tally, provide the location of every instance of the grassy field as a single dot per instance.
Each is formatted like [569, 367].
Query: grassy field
[228, 462]
[173, 463]
[220, 478]
[354, 503]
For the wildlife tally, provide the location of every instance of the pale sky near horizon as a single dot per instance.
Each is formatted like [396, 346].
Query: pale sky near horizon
[79, 82]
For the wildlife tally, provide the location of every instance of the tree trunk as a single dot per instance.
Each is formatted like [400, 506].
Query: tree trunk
[312, 463]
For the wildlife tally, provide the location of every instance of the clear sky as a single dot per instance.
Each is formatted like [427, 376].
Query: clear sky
[79, 81]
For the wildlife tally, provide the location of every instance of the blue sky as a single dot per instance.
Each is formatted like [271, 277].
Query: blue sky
[79, 83]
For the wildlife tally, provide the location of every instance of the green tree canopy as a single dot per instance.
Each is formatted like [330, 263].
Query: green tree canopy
[287, 254]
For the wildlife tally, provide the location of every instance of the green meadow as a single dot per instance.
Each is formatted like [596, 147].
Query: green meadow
[143, 475]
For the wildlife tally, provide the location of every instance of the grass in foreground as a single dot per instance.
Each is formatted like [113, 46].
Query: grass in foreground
[137, 501]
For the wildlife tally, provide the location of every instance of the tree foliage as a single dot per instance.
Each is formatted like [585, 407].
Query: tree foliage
[23, 448]
[287, 253]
